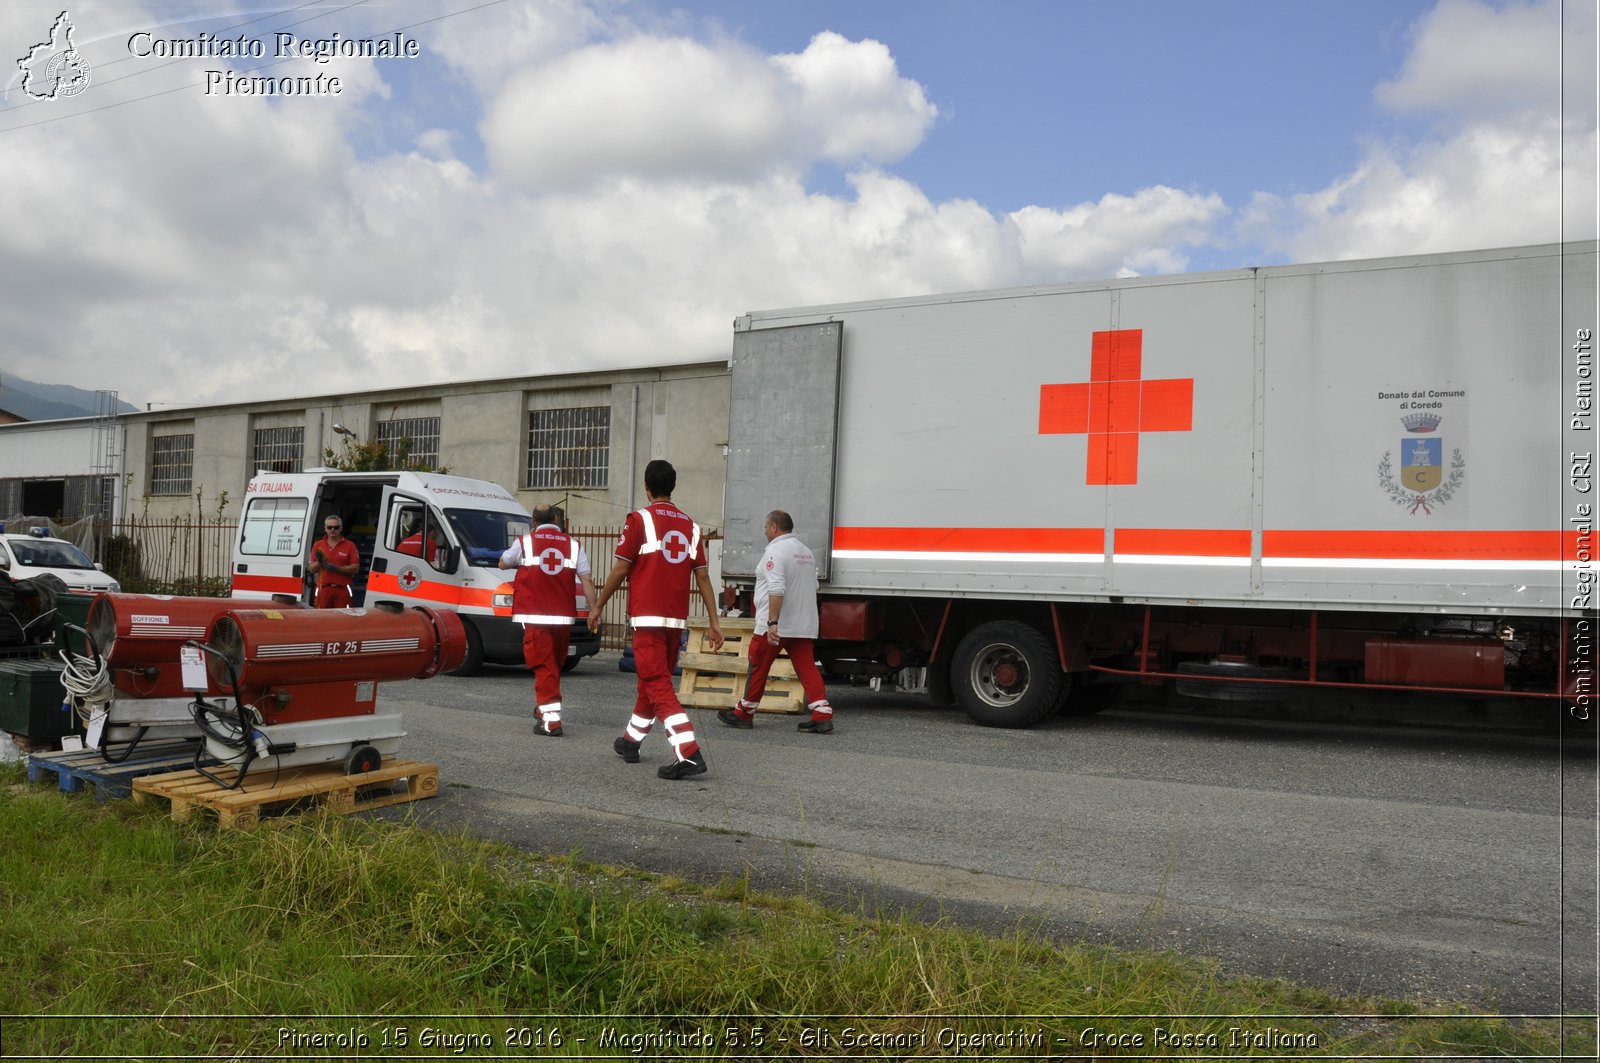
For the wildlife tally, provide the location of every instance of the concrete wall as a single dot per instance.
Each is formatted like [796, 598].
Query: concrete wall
[682, 416]
[37, 449]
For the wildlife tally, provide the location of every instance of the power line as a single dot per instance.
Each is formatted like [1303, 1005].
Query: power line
[34, 102]
[264, 66]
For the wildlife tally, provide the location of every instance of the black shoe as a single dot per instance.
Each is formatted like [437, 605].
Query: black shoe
[627, 750]
[695, 765]
[547, 731]
[817, 727]
[733, 719]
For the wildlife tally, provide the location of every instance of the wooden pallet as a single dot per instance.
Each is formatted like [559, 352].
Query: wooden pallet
[271, 792]
[714, 679]
[87, 767]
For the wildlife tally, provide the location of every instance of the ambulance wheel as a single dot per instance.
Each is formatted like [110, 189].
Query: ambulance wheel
[569, 664]
[361, 760]
[1005, 674]
[473, 661]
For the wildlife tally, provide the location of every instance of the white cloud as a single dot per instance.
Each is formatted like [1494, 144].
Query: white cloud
[851, 94]
[1118, 235]
[1474, 58]
[672, 107]
[645, 106]
[1511, 158]
[496, 42]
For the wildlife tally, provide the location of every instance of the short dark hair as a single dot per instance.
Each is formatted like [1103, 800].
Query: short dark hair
[784, 522]
[543, 514]
[660, 478]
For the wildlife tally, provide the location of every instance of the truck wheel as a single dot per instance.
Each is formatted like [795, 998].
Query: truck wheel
[1005, 674]
[473, 661]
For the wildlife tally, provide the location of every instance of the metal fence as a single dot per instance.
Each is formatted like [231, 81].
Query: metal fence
[600, 543]
[180, 555]
[189, 556]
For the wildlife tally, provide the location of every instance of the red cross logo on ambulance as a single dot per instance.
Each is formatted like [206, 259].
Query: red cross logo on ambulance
[551, 561]
[409, 578]
[675, 547]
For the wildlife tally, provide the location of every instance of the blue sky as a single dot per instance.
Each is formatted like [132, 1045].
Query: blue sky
[1053, 103]
[555, 185]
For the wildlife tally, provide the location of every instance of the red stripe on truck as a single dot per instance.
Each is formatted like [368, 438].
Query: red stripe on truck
[990, 540]
[1434, 544]
[1423, 545]
[1188, 542]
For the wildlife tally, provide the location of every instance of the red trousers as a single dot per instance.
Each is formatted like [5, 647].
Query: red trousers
[334, 596]
[544, 649]
[655, 655]
[763, 653]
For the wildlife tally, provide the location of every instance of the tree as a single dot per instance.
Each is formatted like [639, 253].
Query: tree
[375, 456]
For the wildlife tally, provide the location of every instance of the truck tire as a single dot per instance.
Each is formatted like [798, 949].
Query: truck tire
[1214, 690]
[1005, 674]
[473, 661]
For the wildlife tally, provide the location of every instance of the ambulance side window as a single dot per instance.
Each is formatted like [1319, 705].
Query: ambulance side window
[274, 527]
[405, 529]
[415, 530]
[437, 540]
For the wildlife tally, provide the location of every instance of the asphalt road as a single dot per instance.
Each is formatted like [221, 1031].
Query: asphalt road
[1450, 857]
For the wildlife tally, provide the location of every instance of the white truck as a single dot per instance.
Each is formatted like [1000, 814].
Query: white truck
[424, 539]
[1366, 473]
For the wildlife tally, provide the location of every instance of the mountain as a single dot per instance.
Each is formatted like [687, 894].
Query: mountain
[49, 402]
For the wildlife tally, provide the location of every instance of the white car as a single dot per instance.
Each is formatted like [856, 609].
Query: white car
[26, 556]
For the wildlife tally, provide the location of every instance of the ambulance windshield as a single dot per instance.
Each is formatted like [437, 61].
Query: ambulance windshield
[485, 534]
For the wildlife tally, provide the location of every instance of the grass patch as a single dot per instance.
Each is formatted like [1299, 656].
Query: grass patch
[193, 935]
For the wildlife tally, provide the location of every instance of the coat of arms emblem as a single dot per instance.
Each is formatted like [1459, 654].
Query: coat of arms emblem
[1423, 482]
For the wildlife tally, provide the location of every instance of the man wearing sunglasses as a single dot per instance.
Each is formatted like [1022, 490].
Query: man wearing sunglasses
[335, 561]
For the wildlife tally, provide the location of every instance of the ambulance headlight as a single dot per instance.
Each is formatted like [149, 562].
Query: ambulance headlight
[502, 601]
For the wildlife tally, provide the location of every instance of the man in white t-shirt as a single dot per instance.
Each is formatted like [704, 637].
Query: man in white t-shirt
[786, 620]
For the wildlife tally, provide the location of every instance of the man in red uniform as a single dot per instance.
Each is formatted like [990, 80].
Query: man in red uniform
[543, 602]
[660, 555]
[335, 561]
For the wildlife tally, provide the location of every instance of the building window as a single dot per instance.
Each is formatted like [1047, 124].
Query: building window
[569, 448]
[418, 435]
[172, 464]
[280, 449]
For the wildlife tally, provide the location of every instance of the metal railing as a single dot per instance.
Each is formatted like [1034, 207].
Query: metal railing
[600, 544]
[189, 556]
[178, 555]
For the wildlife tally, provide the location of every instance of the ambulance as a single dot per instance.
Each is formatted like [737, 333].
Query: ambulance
[424, 539]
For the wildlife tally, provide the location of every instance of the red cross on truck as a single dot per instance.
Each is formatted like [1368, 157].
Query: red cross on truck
[1115, 406]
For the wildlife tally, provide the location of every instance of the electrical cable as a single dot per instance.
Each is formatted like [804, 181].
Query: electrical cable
[87, 681]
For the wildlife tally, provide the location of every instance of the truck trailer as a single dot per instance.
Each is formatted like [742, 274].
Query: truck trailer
[1368, 474]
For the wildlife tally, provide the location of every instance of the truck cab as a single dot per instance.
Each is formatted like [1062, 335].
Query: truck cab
[423, 539]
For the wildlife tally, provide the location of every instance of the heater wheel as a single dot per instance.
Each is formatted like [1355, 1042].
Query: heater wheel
[361, 760]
